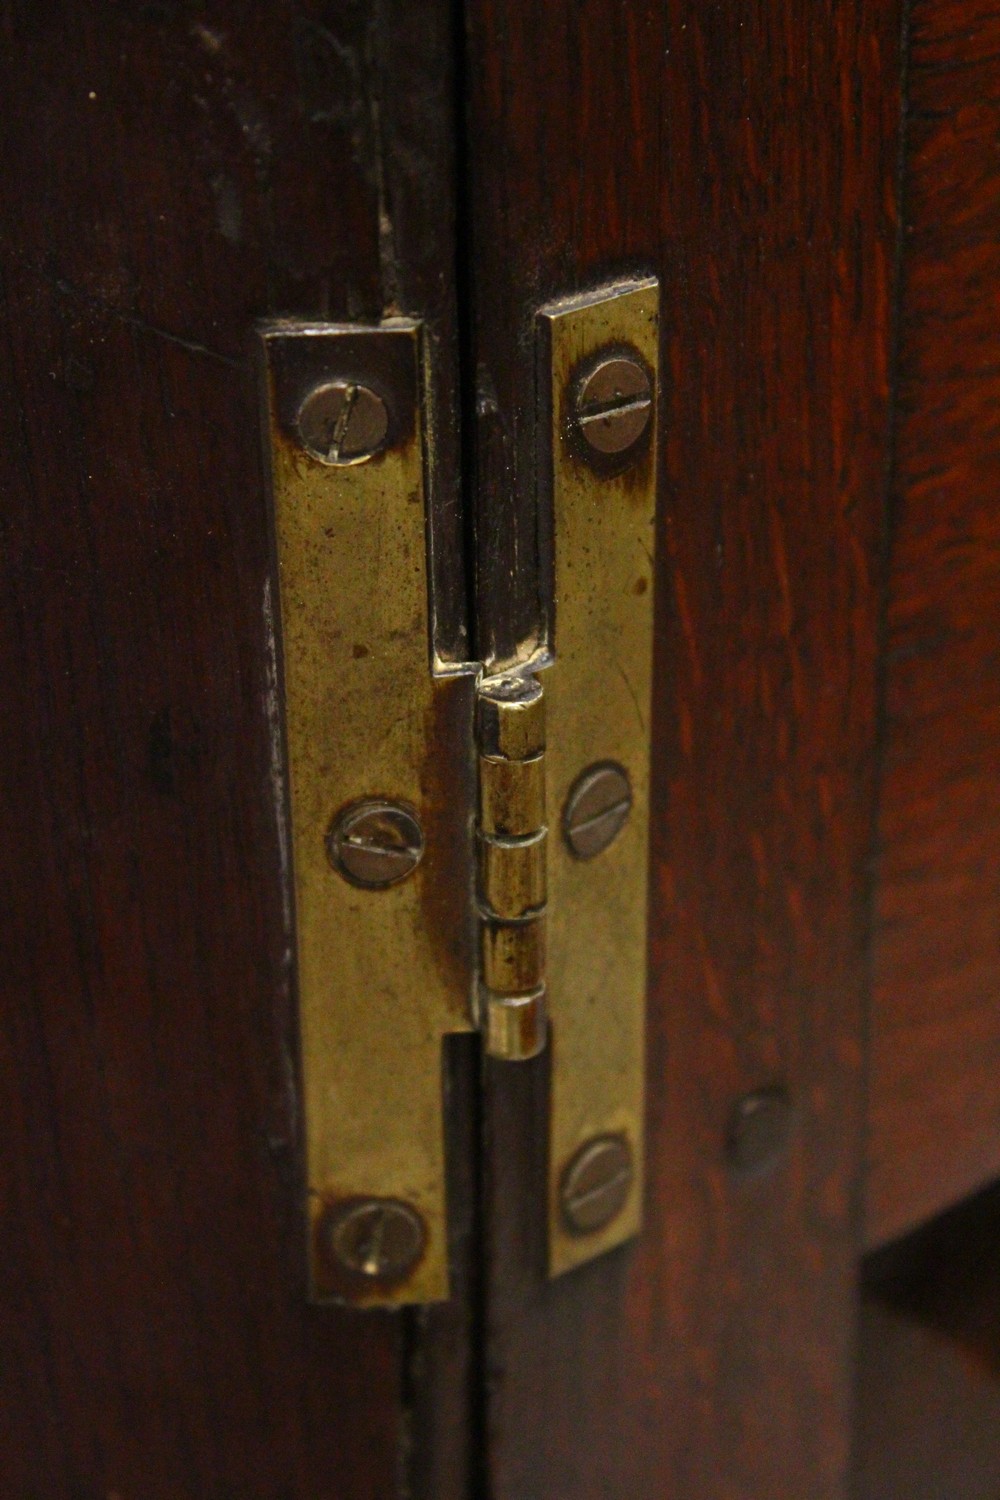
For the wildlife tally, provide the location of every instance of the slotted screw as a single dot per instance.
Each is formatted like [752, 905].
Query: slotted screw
[378, 1238]
[597, 809]
[596, 1184]
[375, 843]
[341, 422]
[613, 406]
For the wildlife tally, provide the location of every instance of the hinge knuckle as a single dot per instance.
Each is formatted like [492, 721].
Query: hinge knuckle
[511, 840]
[511, 797]
[512, 955]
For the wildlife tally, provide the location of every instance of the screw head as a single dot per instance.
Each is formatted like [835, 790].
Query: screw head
[596, 809]
[614, 403]
[758, 1131]
[375, 843]
[381, 1239]
[596, 1184]
[341, 422]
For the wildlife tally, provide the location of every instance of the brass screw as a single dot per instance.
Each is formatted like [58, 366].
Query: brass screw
[378, 1238]
[341, 422]
[614, 403]
[375, 843]
[596, 809]
[596, 1184]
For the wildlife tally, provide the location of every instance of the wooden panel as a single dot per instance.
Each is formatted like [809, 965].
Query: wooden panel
[935, 1101]
[170, 173]
[745, 153]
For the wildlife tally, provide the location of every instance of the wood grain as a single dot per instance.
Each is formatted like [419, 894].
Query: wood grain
[171, 173]
[935, 1104]
[746, 153]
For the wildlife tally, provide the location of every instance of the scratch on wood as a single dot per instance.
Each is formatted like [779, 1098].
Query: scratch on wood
[388, 264]
[391, 294]
[133, 320]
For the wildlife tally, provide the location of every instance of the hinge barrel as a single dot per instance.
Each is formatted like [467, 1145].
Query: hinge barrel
[512, 844]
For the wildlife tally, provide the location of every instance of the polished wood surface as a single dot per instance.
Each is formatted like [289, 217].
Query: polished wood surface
[935, 1103]
[747, 154]
[170, 173]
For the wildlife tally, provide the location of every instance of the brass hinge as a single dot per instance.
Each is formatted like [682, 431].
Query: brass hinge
[468, 851]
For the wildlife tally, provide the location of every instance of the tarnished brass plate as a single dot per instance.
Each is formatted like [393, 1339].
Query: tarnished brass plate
[599, 698]
[382, 974]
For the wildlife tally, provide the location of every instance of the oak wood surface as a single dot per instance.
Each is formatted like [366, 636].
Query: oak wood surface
[935, 1103]
[170, 173]
[746, 153]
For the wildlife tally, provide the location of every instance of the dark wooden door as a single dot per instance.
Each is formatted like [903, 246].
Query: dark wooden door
[816, 187]
[171, 173]
[748, 154]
